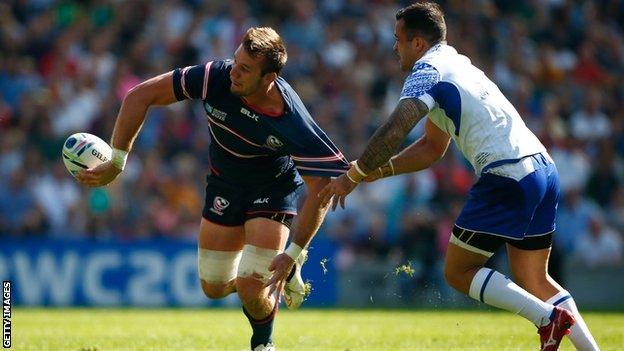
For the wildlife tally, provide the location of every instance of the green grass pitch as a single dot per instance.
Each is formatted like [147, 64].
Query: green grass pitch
[306, 329]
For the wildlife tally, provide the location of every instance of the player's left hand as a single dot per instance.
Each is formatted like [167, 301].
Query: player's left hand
[98, 176]
[281, 266]
[339, 187]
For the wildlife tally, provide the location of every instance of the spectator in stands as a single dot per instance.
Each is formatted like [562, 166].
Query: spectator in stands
[562, 61]
[600, 245]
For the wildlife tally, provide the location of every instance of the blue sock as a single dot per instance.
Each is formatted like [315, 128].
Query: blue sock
[262, 329]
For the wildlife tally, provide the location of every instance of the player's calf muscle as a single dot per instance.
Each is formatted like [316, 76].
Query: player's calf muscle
[250, 287]
[251, 292]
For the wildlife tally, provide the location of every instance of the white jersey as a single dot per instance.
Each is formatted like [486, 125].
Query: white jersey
[470, 108]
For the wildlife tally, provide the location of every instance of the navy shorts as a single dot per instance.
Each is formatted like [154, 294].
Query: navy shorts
[232, 205]
[514, 209]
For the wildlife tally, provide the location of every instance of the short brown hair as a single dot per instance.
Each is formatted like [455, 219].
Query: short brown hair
[265, 42]
[425, 19]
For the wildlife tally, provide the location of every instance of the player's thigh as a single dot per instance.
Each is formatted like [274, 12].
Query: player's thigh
[458, 259]
[213, 236]
[467, 251]
[460, 265]
[266, 233]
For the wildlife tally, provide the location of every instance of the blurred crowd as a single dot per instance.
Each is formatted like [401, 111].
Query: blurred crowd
[65, 66]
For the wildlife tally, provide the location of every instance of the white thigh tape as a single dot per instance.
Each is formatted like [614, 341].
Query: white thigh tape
[256, 261]
[217, 266]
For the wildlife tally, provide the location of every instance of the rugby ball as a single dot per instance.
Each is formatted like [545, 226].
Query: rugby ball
[84, 151]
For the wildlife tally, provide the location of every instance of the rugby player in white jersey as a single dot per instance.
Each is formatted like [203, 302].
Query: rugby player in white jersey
[513, 202]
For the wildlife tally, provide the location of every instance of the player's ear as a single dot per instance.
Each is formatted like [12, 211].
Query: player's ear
[419, 45]
[269, 77]
[416, 43]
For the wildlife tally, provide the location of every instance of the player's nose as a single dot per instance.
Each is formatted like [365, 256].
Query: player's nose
[234, 73]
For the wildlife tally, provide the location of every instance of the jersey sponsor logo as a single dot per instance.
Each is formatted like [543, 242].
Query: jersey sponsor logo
[249, 114]
[219, 204]
[273, 142]
[218, 114]
[262, 200]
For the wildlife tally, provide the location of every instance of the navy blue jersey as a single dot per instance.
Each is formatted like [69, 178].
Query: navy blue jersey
[251, 147]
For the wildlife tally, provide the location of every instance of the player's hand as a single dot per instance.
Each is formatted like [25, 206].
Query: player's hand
[98, 176]
[339, 187]
[281, 266]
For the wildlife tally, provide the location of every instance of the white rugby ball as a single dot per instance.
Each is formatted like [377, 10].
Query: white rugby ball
[83, 151]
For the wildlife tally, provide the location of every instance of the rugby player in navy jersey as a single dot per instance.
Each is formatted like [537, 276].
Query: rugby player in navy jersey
[264, 147]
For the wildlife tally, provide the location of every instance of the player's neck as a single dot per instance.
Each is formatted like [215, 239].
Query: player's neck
[268, 101]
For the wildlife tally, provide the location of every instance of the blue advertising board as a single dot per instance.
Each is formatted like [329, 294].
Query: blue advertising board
[157, 272]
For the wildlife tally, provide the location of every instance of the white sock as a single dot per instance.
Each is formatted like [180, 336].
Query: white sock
[494, 289]
[580, 335]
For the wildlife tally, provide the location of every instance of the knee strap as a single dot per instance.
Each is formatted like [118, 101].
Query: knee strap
[217, 266]
[256, 261]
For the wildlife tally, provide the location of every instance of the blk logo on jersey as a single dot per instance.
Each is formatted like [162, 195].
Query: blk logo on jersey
[219, 204]
[273, 143]
[249, 114]
[262, 200]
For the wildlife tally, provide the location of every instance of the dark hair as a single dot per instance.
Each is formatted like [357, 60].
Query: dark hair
[425, 19]
[265, 42]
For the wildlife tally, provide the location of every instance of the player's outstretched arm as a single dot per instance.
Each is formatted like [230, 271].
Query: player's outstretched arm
[385, 141]
[381, 146]
[155, 91]
[312, 212]
[307, 224]
[421, 154]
